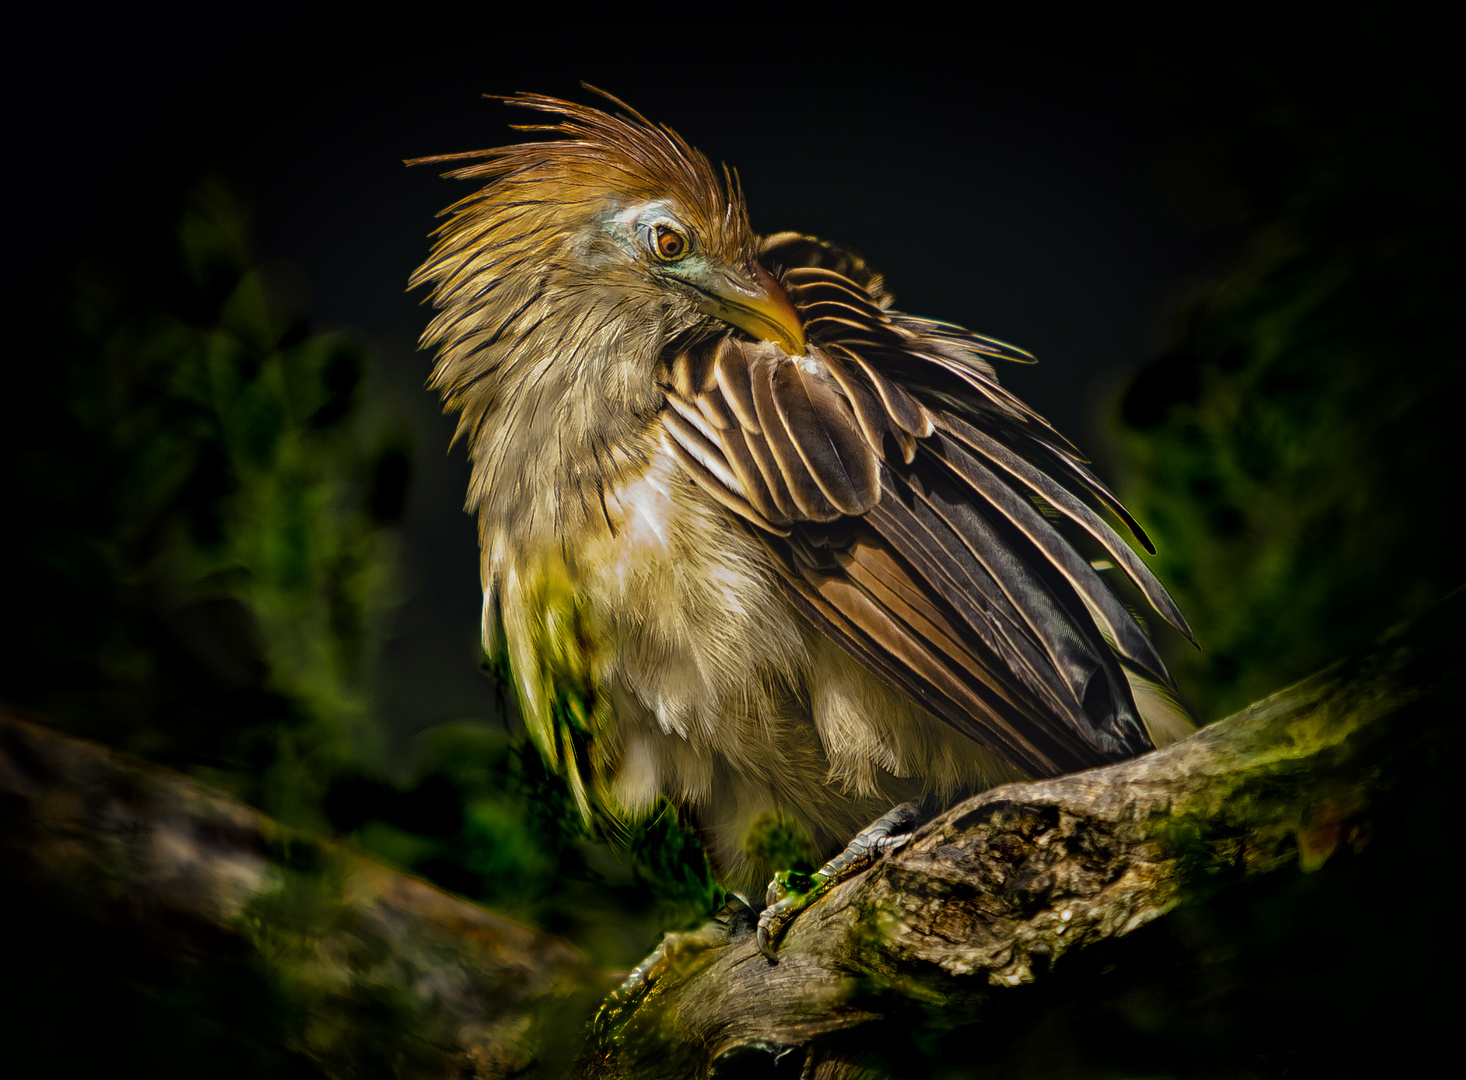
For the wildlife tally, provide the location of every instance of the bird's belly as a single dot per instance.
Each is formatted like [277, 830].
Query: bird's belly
[725, 699]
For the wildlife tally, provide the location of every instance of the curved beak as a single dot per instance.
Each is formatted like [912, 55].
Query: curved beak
[759, 307]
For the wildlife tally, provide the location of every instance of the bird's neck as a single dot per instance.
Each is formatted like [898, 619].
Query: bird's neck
[560, 408]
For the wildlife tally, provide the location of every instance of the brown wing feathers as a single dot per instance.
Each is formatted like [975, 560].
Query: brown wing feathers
[955, 588]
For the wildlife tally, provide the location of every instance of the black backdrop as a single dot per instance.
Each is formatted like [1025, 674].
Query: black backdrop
[1045, 182]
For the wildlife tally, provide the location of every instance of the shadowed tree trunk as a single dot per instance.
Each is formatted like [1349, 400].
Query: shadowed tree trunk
[362, 971]
[1031, 888]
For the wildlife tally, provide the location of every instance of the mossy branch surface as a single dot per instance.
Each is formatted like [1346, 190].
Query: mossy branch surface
[994, 893]
[372, 972]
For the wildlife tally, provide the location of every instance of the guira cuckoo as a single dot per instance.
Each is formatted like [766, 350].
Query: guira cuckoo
[752, 538]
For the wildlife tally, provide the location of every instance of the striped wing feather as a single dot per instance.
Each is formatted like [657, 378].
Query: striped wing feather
[899, 487]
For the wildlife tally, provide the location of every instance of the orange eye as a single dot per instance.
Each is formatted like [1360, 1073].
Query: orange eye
[670, 244]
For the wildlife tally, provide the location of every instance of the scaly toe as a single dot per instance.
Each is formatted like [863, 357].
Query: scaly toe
[790, 892]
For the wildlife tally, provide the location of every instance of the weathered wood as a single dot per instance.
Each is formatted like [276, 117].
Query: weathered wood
[993, 893]
[988, 897]
[384, 972]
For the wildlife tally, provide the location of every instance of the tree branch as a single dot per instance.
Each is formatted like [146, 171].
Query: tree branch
[378, 971]
[1010, 889]
[993, 893]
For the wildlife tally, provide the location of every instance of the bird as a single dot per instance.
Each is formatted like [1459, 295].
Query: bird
[753, 540]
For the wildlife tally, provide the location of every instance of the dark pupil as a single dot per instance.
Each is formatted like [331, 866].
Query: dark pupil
[669, 243]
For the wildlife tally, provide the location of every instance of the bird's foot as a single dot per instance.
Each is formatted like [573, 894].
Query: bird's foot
[680, 952]
[790, 892]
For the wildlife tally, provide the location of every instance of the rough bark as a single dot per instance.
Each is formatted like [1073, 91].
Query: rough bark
[992, 895]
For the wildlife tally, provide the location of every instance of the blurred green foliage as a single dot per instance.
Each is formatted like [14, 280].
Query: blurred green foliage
[209, 492]
[485, 819]
[1293, 453]
[206, 527]
[204, 496]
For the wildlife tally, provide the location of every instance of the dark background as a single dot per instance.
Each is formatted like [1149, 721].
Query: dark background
[1020, 178]
[1230, 236]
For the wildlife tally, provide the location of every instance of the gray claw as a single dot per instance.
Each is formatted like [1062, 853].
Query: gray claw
[777, 916]
[890, 832]
[765, 945]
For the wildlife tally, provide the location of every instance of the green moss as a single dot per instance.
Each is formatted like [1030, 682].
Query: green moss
[776, 841]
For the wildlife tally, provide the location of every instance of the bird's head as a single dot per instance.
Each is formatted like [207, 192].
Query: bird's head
[698, 266]
[616, 237]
